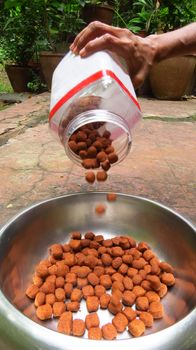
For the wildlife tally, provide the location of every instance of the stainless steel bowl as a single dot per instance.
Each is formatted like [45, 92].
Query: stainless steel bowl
[24, 241]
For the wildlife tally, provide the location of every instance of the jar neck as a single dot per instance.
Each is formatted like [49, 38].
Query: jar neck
[114, 123]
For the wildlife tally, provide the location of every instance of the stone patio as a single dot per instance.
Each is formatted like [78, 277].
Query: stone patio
[161, 165]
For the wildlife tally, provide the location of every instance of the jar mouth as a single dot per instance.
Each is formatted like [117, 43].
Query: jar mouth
[119, 129]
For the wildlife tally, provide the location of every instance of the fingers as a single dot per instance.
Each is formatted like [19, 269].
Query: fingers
[105, 42]
[92, 31]
[139, 77]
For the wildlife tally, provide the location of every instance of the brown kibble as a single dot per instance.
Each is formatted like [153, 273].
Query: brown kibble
[155, 282]
[137, 279]
[109, 270]
[148, 255]
[74, 244]
[106, 165]
[114, 299]
[44, 312]
[156, 309]
[42, 270]
[123, 269]
[101, 175]
[120, 322]
[166, 267]
[136, 253]
[50, 298]
[73, 146]
[73, 306]
[90, 177]
[143, 274]
[83, 271]
[127, 282]
[142, 303]
[91, 261]
[100, 209]
[147, 268]
[99, 290]
[152, 296]
[87, 291]
[118, 293]
[69, 259]
[37, 281]
[118, 285]
[60, 294]
[139, 291]
[76, 295]
[101, 156]
[92, 320]
[128, 298]
[66, 248]
[65, 323]
[92, 303]
[109, 332]
[127, 259]
[112, 157]
[139, 263]
[47, 287]
[56, 250]
[81, 136]
[81, 146]
[95, 333]
[40, 299]
[76, 235]
[142, 246]
[90, 163]
[147, 318]
[146, 285]
[62, 269]
[97, 145]
[68, 287]
[124, 243]
[105, 280]
[84, 243]
[107, 243]
[163, 290]
[107, 134]
[116, 262]
[93, 279]
[117, 251]
[132, 272]
[104, 301]
[109, 149]
[106, 259]
[71, 278]
[78, 327]
[111, 197]
[81, 282]
[129, 313]
[168, 279]
[59, 282]
[99, 270]
[58, 308]
[136, 328]
[32, 291]
[92, 152]
[79, 257]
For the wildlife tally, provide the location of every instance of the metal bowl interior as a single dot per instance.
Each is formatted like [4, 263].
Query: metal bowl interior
[25, 241]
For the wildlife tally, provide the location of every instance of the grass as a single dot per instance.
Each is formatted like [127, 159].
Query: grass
[5, 85]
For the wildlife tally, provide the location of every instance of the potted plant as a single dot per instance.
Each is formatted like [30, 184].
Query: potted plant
[61, 21]
[19, 21]
[172, 78]
[97, 10]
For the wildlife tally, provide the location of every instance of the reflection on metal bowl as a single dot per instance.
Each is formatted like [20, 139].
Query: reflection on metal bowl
[24, 241]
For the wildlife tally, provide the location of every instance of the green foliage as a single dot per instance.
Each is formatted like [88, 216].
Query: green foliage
[95, 2]
[36, 85]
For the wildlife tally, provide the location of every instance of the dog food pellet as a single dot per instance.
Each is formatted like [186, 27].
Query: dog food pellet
[78, 327]
[85, 268]
[120, 322]
[106, 165]
[44, 312]
[147, 318]
[136, 328]
[109, 332]
[92, 303]
[156, 309]
[95, 333]
[92, 320]
[101, 175]
[129, 313]
[58, 308]
[40, 299]
[65, 323]
[90, 177]
[100, 209]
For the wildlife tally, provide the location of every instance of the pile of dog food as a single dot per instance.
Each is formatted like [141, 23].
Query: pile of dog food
[116, 274]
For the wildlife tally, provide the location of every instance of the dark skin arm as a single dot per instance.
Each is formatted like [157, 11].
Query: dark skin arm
[139, 53]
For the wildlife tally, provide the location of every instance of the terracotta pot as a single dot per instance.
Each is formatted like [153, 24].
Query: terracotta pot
[48, 62]
[20, 76]
[102, 13]
[172, 78]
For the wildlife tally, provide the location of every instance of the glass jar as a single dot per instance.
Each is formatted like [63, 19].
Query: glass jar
[97, 91]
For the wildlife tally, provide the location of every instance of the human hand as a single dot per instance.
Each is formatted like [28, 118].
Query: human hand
[139, 53]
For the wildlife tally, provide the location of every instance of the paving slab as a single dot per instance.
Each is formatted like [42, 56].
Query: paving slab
[160, 166]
